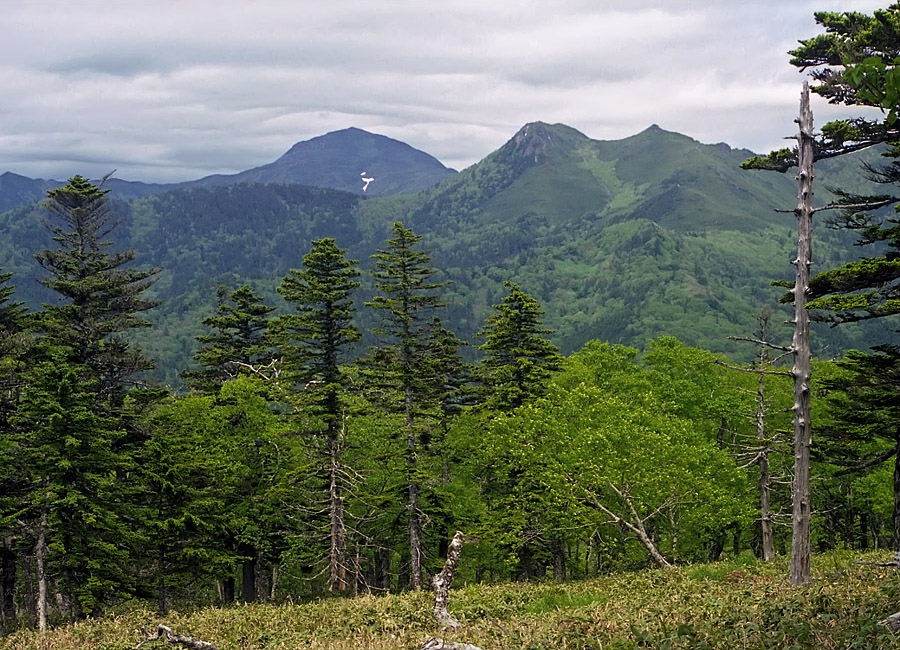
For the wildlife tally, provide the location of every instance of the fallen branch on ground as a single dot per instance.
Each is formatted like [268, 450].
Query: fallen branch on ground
[435, 643]
[892, 622]
[163, 632]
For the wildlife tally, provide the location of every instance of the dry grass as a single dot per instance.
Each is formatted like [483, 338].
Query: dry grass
[726, 605]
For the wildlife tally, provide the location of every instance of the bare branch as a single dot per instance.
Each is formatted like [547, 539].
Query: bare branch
[755, 371]
[163, 632]
[749, 339]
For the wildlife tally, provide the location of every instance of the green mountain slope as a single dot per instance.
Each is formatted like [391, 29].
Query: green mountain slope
[619, 240]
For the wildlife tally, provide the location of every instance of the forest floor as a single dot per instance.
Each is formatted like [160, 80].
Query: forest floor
[739, 604]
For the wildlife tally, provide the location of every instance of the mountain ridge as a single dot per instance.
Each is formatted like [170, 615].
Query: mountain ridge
[619, 240]
[334, 160]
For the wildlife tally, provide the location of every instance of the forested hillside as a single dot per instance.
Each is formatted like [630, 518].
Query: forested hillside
[622, 241]
[321, 427]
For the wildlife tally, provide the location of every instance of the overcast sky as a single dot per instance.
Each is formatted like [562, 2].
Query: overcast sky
[169, 91]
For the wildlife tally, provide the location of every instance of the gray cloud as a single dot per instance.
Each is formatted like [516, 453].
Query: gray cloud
[166, 91]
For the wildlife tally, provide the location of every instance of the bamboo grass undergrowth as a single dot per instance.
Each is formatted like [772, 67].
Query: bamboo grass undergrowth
[739, 604]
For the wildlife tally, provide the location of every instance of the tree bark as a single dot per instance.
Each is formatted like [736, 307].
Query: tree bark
[40, 569]
[765, 478]
[248, 573]
[7, 582]
[436, 643]
[441, 582]
[559, 559]
[166, 633]
[801, 372]
[337, 561]
[415, 534]
[635, 524]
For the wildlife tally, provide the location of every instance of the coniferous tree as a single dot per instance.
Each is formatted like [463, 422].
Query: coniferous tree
[518, 358]
[238, 345]
[854, 63]
[13, 346]
[864, 401]
[237, 342]
[316, 340]
[77, 430]
[404, 275]
[102, 296]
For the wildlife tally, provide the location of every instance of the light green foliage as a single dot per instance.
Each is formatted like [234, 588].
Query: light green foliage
[608, 424]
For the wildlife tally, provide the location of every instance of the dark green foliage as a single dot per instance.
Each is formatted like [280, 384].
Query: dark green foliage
[314, 343]
[518, 359]
[862, 427]
[12, 346]
[237, 343]
[319, 335]
[402, 365]
[409, 297]
[75, 431]
[101, 296]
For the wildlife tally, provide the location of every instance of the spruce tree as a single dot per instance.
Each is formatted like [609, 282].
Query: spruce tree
[864, 402]
[237, 343]
[518, 358]
[13, 352]
[76, 427]
[316, 339]
[102, 295]
[409, 297]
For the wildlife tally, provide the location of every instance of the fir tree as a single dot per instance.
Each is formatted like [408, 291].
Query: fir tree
[13, 352]
[77, 431]
[518, 358]
[404, 275]
[317, 338]
[237, 344]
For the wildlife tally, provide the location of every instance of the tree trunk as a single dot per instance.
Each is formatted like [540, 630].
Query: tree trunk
[635, 524]
[164, 632]
[248, 573]
[40, 555]
[228, 590]
[441, 582]
[801, 372]
[765, 479]
[161, 596]
[7, 582]
[415, 541]
[337, 561]
[559, 560]
[895, 546]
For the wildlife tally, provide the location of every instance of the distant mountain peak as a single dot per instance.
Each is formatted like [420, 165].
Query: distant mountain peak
[536, 141]
[351, 160]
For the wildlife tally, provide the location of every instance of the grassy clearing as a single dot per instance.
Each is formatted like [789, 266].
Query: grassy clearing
[736, 604]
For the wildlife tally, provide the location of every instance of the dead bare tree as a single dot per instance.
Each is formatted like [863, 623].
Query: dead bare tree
[758, 453]
[631, 520]
[440, 584]
[801, 371]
